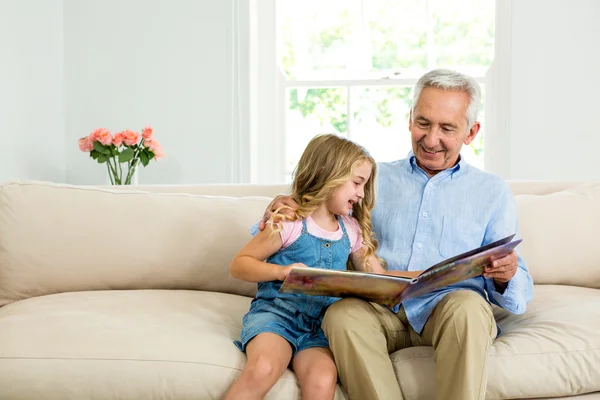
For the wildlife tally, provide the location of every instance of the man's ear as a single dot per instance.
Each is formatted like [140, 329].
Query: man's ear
[410, 120]
[472, 133]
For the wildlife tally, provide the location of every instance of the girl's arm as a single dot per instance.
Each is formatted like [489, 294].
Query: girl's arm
[357, 257]
[248, 264]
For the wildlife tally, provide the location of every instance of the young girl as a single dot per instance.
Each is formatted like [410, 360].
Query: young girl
[333, 184]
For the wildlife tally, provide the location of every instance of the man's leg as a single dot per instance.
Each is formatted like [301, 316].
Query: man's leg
[361, 336]
[461, 330]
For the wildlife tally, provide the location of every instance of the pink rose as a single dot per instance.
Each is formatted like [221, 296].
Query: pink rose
[155, 147]
[147, 132]
[159, 152]
[118, 139]
[130, 137]
[101, 135]
[85, 144]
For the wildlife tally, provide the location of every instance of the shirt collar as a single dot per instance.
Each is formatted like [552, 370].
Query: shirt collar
[456, 170]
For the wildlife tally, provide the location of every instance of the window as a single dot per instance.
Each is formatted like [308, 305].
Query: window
[348, 67]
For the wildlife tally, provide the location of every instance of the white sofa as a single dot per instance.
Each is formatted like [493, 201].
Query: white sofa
[118, 293]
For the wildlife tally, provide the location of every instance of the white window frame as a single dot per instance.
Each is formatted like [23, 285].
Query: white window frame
[268, 100]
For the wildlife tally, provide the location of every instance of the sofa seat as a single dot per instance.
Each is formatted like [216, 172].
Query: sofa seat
[132, 344]
[177, 344]
[552, 350]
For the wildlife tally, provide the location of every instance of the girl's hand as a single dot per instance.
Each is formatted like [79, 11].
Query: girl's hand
[285, 271]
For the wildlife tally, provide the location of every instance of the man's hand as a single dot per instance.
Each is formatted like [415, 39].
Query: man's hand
[278, 202]
[502, 269]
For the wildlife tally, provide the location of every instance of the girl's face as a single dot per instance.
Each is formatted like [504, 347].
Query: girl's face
[352, 191]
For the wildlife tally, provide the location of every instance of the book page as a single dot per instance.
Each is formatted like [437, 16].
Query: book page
[381, 289]
[458, 269]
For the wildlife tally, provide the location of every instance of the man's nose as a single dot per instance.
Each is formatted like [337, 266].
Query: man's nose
[432, 138]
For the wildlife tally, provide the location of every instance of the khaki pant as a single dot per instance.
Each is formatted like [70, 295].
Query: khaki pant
[362, 335]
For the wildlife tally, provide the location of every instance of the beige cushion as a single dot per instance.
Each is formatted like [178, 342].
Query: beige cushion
[551, 350]
[60, 238]
[135, 344]
[560, 232]
[164, 343]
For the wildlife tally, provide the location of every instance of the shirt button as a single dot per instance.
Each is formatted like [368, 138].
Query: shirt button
[430, 185]
[419, 245]
[425, 215]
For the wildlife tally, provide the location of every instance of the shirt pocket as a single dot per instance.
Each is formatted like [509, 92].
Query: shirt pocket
[459, 236]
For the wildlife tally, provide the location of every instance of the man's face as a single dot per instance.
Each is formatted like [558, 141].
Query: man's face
[439, 128]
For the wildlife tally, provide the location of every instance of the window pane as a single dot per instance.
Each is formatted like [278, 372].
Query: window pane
[356, 39]
[318, 37]
[308, 113]
[380, 120]
[397, 34]
[463, 33]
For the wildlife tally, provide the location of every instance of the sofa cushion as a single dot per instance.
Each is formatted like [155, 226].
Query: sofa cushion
[136, 344]
[146, 344]
[60, 238]
[560, 232]
[552, 350]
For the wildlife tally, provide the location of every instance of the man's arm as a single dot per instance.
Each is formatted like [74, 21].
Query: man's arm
[285, 204]
[277, 203]
[507, 280]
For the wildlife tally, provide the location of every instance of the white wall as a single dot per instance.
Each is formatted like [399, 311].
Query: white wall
[554, 90]
[163, 63]
[31, 90]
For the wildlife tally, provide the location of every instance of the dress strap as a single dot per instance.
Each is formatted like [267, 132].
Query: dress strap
[304, 228]
[341, 224]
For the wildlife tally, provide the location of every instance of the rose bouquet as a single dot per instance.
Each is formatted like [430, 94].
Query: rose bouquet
[122, 152]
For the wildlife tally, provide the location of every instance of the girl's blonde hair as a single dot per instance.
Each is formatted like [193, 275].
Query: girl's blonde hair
[327, 163]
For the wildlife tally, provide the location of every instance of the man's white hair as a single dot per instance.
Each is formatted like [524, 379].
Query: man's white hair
[446, 79]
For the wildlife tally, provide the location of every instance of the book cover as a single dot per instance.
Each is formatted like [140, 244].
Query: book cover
[390, 290]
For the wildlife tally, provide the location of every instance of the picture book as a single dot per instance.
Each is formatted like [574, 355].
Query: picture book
[390, 290]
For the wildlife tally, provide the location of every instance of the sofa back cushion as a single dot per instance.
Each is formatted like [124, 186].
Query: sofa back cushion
[60, 238]
[561, 233]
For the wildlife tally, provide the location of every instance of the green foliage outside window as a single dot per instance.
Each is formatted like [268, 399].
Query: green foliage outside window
[459, 38]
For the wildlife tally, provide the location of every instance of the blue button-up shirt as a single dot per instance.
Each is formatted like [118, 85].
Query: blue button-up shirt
[420, 221]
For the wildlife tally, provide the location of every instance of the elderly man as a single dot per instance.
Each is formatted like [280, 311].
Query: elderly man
[431, 206]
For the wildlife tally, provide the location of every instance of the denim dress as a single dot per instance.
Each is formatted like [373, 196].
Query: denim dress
[296, 317]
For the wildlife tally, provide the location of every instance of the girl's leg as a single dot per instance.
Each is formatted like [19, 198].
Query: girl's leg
[316, 372]
[268, 357]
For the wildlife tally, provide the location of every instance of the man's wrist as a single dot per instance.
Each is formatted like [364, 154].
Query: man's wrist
[500, 286]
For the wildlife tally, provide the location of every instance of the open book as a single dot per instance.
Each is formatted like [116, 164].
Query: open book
[390, 290]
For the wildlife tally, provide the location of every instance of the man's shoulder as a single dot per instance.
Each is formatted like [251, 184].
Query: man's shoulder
[392, 164]
[485, 181]
[387, 169]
